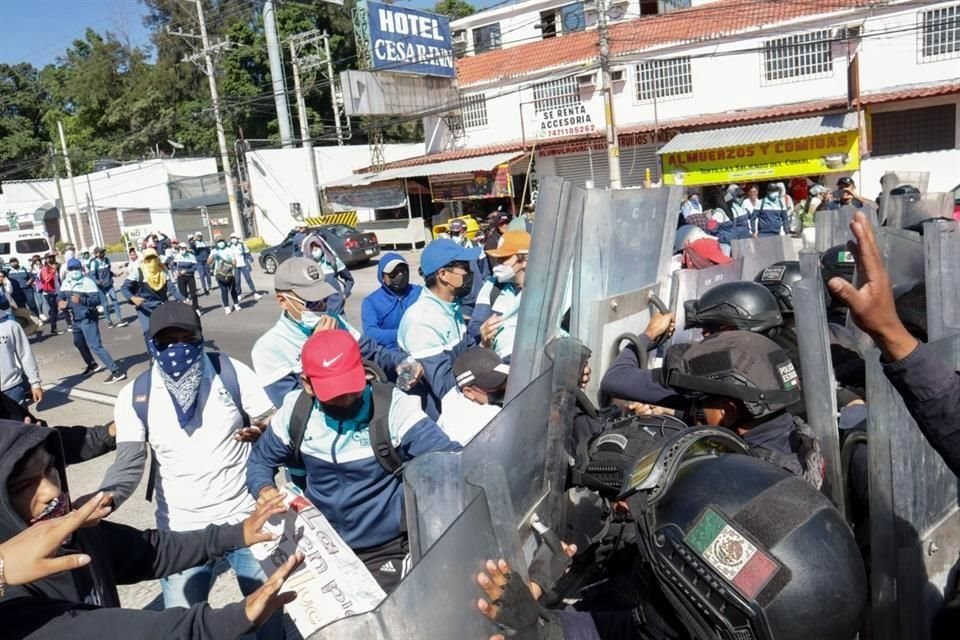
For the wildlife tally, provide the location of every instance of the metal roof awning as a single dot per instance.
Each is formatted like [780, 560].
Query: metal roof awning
[460, 165]
[761, 133]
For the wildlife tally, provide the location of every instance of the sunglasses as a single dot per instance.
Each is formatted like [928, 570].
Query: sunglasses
[309, 305]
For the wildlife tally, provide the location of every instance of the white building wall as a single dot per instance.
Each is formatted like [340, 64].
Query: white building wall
[279, 177]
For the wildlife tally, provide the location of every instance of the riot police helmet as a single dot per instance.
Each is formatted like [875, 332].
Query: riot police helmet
[779, 279]
[740, 305]
[736, 365]
[739, 547]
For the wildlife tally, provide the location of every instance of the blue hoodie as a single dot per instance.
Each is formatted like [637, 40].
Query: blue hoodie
[382, 310]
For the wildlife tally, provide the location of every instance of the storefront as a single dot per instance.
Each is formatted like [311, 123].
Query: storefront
[585, 162]
[763, 152]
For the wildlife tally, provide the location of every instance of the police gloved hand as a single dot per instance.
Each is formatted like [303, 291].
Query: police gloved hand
[511, 605]
[548, 566]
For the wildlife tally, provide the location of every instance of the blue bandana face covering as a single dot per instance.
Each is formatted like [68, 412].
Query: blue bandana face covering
[181, 368]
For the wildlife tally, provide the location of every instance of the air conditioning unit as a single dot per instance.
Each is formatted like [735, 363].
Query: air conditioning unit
[586, 81]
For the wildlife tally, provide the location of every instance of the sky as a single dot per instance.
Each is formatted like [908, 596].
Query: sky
[40, 30]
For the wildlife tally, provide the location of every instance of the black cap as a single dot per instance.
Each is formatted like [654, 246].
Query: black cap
[480, 367]
[845, 182]
[175, 314]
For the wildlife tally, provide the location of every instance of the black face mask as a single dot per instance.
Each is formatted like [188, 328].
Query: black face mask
[344, 413]
[398, 283]
[496, 398]
[464, 289]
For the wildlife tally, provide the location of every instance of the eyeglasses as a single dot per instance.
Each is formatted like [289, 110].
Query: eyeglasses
[309, 305]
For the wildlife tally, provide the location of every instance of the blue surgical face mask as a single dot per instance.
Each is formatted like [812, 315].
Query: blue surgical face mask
[317, 253]
[221, 245]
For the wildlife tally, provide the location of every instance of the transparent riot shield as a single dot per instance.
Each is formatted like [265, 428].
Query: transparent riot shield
[690, 284]
[760, 253]
[465, 507]
[908, 211]
[941, 240]
[914, 519]
[893, 179]
[549, 271]
[833, 227]
[819, 384]
[624, 255]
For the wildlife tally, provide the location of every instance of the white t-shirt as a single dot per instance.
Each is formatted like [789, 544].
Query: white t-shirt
[201, 474]
[461, 418]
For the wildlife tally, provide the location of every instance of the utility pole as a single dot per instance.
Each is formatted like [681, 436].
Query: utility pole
[73, 186]
[333, 88]
[296, 41]
[62, 205]
[277, 76]
[613, 144]
[96, 231]
[221, 137]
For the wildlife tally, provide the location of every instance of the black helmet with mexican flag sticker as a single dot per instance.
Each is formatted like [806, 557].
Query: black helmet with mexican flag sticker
[740, 548]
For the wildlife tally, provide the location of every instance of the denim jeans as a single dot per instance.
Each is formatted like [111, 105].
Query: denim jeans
[86, 338]
[18, 393]
[41, 303]
[109, 302]
[192, 586]
[228, 290]
[51, 299]
[246, 272]
[203, 270]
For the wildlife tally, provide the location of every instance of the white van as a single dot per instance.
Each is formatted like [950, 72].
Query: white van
[23, 244]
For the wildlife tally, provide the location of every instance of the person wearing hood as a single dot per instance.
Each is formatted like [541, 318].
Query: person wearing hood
[147, 287]
[83, 604]
[334, 271]
[303, 295]
[382, 309]
[19, 373]
[772, 213]
[82, 296]
[194, 414]
[494, 319]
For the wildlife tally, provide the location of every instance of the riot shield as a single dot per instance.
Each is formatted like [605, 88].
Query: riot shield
[941, 240]
[690, 284]
[760, 253]
[819, 384]
[914, 519]
[893, 179]
[549, 270]
[910, 210]
[833, 227]
[623, 258]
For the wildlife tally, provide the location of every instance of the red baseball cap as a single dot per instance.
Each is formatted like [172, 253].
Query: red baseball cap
[332, 362]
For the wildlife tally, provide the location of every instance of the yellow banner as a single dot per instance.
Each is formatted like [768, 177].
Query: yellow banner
[816, 155]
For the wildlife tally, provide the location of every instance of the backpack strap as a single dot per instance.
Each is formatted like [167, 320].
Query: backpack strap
[141, 406]
[298, 425]
[495, 293]
[387, 455]
[228, 376]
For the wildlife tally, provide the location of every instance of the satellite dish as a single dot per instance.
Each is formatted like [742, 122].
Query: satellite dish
[175, 145]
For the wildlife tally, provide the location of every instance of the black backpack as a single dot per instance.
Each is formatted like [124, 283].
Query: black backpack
[379, 427]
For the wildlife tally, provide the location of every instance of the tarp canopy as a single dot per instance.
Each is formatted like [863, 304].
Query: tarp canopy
[460, 165]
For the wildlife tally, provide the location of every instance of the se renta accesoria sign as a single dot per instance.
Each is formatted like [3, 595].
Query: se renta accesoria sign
[404, 40]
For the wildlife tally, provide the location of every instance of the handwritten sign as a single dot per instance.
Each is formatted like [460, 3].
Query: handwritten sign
[332, 582]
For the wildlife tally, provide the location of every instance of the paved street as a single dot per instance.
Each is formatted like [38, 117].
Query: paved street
[91, 401]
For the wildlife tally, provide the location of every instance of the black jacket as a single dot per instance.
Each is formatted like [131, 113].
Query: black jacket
[931, 391]
[82, 604]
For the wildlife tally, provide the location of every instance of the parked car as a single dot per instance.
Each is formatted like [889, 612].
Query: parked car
[353, 246]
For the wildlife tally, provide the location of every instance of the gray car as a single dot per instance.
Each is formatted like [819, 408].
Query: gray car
[353, 246]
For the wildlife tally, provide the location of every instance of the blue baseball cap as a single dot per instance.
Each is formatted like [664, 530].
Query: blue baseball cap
[73, 263]
[442, 252]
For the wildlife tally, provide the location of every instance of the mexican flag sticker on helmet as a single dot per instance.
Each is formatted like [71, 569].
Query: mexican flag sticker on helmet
[731, 554]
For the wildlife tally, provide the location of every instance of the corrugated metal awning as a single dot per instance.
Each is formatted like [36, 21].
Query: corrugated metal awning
[760, 133]
[460, 165]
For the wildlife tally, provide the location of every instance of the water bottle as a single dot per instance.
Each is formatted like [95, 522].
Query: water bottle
[407, 374]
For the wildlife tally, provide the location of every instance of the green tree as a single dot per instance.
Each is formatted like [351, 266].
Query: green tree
[23, 139]
[454, 9]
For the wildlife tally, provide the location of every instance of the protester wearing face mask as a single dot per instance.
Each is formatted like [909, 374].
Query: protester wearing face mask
[224, 261]
[49, 279]
[433, 330]
[19, 373]
[244, 265]
[23, 280]
[345, 479]
[303, 295]
[772, 215]
[82, 296]
[382, 309]
[36, 264]
[195, 414]
[458, 233]
[478, 397]
[147, 287]
[101, 271]
[494, 320]
[184, 264]
[201, 250]
[741, 223]
[333, 269]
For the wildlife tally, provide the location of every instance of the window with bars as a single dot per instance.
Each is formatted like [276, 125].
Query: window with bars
[939, 34]
[913, 130]
[486, 38]
[555, 94]
[473, 110]
[801, 56]
[664, 79]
